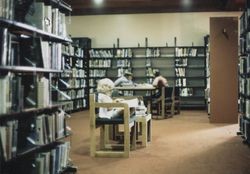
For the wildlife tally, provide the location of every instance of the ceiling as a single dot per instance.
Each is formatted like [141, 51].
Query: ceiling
[88, 7]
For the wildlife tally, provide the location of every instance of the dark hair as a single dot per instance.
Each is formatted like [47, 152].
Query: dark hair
[157, 73]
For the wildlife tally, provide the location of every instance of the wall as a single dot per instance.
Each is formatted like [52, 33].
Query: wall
[133, 28]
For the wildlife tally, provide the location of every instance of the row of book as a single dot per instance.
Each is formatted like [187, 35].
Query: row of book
[78, 73]
[53, 161]
[72, 83]
[244, 66]
[92, 82]
[181, 62]
[150, 72]
[123, 53]
[73, 51]
[153, 52]
[181, 82]
[180, 72]
[16, 97]
[72, 95]
[100, 53]
[244, 21]
[244, 85]
[47, 128]
[247, 113]
[40, 130]
[7, 9]
[47, 18]
[185, 92]
[26, 51]
[70, 62]
[97, 73]
[74, 73]
[123, 63]
[148, 62]
[8, 139]
[79, 104]
[100, 63]
[183, 52]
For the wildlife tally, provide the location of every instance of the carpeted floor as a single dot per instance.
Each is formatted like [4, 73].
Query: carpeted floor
[184, 144]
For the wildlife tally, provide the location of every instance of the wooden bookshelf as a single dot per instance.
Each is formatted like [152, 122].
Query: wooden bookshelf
[243, 77]
[33, 128]
[142, 61]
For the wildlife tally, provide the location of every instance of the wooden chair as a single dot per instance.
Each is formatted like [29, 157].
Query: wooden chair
[163, 106]
[177, 100]
[106, 149]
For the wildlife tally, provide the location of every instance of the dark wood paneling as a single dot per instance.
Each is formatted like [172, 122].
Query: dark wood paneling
[88, 7]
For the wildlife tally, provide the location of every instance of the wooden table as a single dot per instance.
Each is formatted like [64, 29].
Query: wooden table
[139, 88]
[143, 132]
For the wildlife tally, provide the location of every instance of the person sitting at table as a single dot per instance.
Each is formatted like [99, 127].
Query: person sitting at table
[159, 82]
[104, 89]
[125, 80]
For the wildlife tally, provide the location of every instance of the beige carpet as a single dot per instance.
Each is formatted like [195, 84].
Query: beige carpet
[184, 144]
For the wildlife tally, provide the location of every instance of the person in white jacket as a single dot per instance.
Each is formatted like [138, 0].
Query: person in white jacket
[125, 80]
[104, 91]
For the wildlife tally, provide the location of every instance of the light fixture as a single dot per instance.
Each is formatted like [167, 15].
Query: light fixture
[98, 2]
[186, 3]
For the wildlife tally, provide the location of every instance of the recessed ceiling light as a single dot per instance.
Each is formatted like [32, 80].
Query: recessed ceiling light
[98, 1]
[186, 3]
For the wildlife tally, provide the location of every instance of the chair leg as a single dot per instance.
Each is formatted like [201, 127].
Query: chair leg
[126, 141]
[133, 136]
[92, 142]
[102, 137]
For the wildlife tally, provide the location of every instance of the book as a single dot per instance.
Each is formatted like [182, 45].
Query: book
[5, 99]
[43, 97]
[3, 141]
[31, 52]
[4, 46]
[36, 15]
[46, 54]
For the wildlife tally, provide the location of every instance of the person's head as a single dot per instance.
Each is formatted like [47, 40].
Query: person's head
[128, 75]
[105, 86]
[157, 73]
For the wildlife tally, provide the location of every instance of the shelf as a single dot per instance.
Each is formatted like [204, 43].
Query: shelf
[22, 28]
[99, 67]
[191, 86]
[153, 57]
[78, 68]
[75, 57]
[71, 77]
[31, 110]
[194, 77]
[192, 57]
[79, 98]
[122, 58]
[36, 148]
[101, 58]
[195, 97]
[69, 169]
[166, 64]
[96, 77]
[191, 67]
[191, 106]
[72, 88]
[28, 69]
